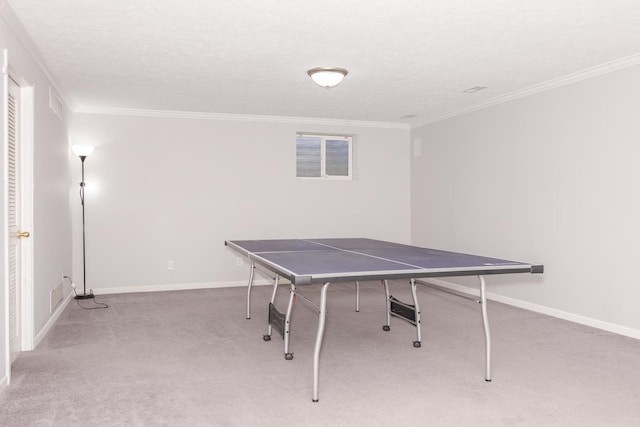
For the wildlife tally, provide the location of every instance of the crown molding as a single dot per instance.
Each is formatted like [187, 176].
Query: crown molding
[239, 117]
[12, 20]
[588, 73]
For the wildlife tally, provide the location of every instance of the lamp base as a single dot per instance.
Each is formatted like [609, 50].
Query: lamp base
[84, 296]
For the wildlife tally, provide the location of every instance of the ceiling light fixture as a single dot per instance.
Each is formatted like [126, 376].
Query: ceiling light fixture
[327, 77]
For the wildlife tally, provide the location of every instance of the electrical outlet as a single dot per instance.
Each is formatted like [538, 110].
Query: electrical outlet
[170, 265]
[239, 262]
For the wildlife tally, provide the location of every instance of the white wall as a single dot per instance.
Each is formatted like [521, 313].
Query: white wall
[51, 233]
[161, 189]
[552, 178]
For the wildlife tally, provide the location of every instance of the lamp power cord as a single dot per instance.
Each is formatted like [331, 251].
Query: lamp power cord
[97, 305]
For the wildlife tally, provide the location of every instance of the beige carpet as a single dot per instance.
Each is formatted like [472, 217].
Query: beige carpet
[190, 358]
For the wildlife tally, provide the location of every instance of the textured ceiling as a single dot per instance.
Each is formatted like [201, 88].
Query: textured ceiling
[405, 57]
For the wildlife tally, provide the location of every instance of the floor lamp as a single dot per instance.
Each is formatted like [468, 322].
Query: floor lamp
[83, 151]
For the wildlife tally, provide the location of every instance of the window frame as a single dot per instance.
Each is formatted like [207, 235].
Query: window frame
[323, 156]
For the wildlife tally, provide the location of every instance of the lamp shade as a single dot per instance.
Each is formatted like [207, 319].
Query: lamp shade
[327, 77]
[82, 150]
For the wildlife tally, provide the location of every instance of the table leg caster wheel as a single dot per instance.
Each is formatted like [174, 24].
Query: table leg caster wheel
[288, 356]
[417, 344]
[266, 337]
[386, 328]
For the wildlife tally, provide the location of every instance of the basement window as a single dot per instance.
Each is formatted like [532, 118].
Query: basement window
[323, 156]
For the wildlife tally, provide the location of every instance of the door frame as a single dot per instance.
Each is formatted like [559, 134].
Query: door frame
[26, 145]
[27, 124]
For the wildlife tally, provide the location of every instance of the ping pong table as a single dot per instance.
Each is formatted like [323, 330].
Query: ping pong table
[325, 261]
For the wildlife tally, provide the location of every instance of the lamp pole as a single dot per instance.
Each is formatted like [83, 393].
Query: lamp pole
[83, 151]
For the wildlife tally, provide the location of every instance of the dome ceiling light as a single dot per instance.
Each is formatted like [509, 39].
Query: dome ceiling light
[327, 77]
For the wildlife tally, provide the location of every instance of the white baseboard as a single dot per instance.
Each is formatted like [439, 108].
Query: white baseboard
[150, 288]
[4, 383]
[599, 324]
[179, 287]
[583, 320]
[52, 320]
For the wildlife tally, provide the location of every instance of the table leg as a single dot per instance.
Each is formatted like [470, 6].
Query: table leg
[416, 305]
[387, 326]
[251, 272]
[287, 323]
[267, 337]
[319, 335]
[487, 332]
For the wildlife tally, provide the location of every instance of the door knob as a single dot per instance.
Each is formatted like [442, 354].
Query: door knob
[21, 234]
